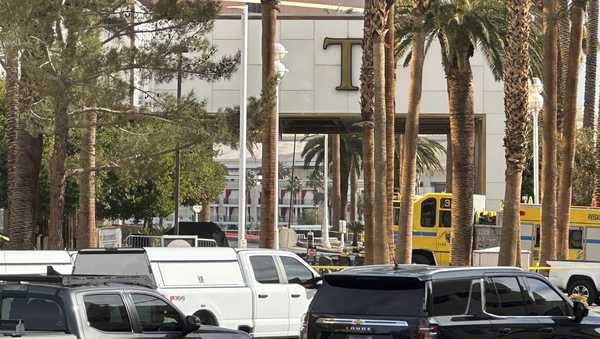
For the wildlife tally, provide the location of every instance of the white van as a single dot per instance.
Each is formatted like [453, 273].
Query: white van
[263, 292]
[34, 262]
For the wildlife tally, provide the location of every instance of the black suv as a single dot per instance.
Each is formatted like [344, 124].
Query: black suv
[426, 302]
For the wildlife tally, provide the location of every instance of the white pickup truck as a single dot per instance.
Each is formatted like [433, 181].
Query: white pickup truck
[577, 277]
[262, 292]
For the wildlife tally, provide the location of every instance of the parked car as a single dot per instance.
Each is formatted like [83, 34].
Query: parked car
[577, 277]
[83, 307]
[426, 302]
[263, 292]
[34, 262]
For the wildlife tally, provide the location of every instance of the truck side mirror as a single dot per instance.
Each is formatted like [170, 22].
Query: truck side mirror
[580, 311]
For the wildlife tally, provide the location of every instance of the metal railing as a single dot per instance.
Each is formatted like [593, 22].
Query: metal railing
[140, 241]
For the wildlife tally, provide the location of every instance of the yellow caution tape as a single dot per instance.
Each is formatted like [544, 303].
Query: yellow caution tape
[330, 267]
[3, 237]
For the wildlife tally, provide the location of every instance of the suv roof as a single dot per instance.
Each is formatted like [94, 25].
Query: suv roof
[424, 272]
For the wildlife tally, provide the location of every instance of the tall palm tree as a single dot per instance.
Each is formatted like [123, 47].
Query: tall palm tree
[461, 27]
[564, 28]
[589, 106]
[390, 113]
[269, 196]
[516, 87]
[380, 13]
[569, 135]
[411, 130]
[334, 141]
[367, 110]
[86, 232]
[549, 125]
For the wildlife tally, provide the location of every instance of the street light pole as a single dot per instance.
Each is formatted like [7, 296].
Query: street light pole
[325, 224]
[243, 117]
[178, 151]
[536, 100]
[280, 71]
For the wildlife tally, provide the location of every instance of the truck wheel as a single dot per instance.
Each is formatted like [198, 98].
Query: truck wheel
[583, 287]
[207, 318]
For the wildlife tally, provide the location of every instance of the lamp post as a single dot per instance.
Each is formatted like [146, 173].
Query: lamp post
[325, 224]
[242, 243]
[280, 70]
[536, 101]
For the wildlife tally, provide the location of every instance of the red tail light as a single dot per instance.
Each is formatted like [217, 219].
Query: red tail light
[427, 331]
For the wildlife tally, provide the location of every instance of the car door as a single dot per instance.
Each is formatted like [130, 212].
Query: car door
[554, 313]
[301, 289]
[154, 317]
[106, 316]
[270, 296]
[506, 307]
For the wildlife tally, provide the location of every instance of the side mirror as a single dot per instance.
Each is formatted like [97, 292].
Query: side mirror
[580, 311]
[192, 323]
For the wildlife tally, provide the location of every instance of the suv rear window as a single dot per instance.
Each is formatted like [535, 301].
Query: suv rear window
[37, 313]
[373, 296]
[451, 297]
[115, 263]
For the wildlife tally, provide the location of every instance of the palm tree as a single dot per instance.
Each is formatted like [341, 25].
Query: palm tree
[269, 196]
[411, 130]
[367, 109]
[86, 232]
[549, 125]
[461, 27]
[516, 87]
[380, 13]
[569, 135]
[589, 106]
[390, 113]
[564, 25]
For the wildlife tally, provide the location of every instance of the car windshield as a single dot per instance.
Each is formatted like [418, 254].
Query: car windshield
[35, 313]
[372, 296]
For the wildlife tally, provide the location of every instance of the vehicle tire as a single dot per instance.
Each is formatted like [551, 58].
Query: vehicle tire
[421, 259]
[207, 318]
[584, 287]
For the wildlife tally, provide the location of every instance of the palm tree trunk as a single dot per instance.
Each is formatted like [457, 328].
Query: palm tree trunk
[568, 140]
[12, 126]
[516, 86]
[382, 253]
[269, 196]
[86, 234]
[549, 122]
[334, 141]
[563, 65]
[589, 106]
[390, 133]
[411, 133]
[57, 176]
[462, 129]
[353, 190]
[367, 102]
[205, 213]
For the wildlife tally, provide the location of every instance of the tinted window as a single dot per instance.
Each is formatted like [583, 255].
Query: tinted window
[119, 263]
[451, 297]
[544, 300]
[295, 271]
[264, 269]
[370, 296]
[428, 208]
[106, 312]
[445, 218]
[156, 315]
[503, 296]
[38, 314]
[576, 239]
